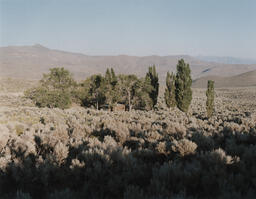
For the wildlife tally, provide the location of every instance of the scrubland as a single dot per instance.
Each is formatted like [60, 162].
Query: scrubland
[158, 154]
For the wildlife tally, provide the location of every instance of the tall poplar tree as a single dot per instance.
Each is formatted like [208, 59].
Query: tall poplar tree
[183, 84]
[153, 76]
[169, 94]
[210, 98]
[110, 88]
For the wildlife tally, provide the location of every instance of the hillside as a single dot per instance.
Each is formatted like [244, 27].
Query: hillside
[244, 79]
[30, 62]
[226, 60]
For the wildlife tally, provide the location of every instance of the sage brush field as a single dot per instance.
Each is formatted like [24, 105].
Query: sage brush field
[158, 154]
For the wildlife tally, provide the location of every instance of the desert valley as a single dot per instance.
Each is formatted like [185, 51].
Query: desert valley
[82, 152]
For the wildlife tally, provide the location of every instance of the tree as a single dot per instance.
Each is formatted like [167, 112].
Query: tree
[183, 82]
[111, 94]
[54, 90]
[127, 86]
[142, 99]
[135, 92]
[58, 79]
[113, 78]
[169, 93]
[210, 98]
[153, 76]
[99, 90]
[96, 91]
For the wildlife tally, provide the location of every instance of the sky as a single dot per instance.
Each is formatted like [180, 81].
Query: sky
[133, 27]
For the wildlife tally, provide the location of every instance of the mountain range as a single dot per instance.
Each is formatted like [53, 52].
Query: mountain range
[30, 62]
[226, 60]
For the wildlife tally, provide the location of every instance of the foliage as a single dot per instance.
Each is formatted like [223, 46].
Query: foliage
[107, 91]
[183, 84]
[19, 129]
[110, 88]
[153, 77]
[135, 92]
[142, 99]
[54, 90]
[44, 97]
[93, 92]
[169, 94]
[127, 86]
[210, 98]
[58, 79]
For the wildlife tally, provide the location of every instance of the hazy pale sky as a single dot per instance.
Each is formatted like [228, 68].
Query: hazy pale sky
[133, 27]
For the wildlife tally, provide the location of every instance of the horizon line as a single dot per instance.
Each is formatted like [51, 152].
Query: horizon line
[132, 55]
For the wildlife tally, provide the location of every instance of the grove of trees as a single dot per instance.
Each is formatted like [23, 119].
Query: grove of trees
[59, 89]
[178, 90]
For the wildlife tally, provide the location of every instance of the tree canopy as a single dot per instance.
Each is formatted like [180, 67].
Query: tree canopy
[183, 82]
[54, 90]
[152, 76]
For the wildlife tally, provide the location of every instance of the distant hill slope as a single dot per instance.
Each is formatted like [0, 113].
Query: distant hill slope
[244, 79]
[30, 62]
[226, 60]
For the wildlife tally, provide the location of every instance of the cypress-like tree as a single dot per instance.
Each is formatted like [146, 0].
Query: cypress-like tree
[153, 76]
[108, 76]
[96, 91]
[183, 84]
[113, 77]
[169, 93]
[210, 98]
[111, 93]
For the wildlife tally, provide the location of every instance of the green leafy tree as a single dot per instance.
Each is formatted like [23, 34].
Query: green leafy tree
[82, 93]
[153, 76]
[110, 88]
[108, 77]
[54, 90]
[135, 92]
[99, 91]
[96, 91]
[113, 78]
[127, 85]
[183, 82]
[58, 79]
[169, 93]
[142, 99]
[210, 98]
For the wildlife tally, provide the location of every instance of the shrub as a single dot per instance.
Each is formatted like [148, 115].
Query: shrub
[184, 147]
[19, 129]
[47, 98]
